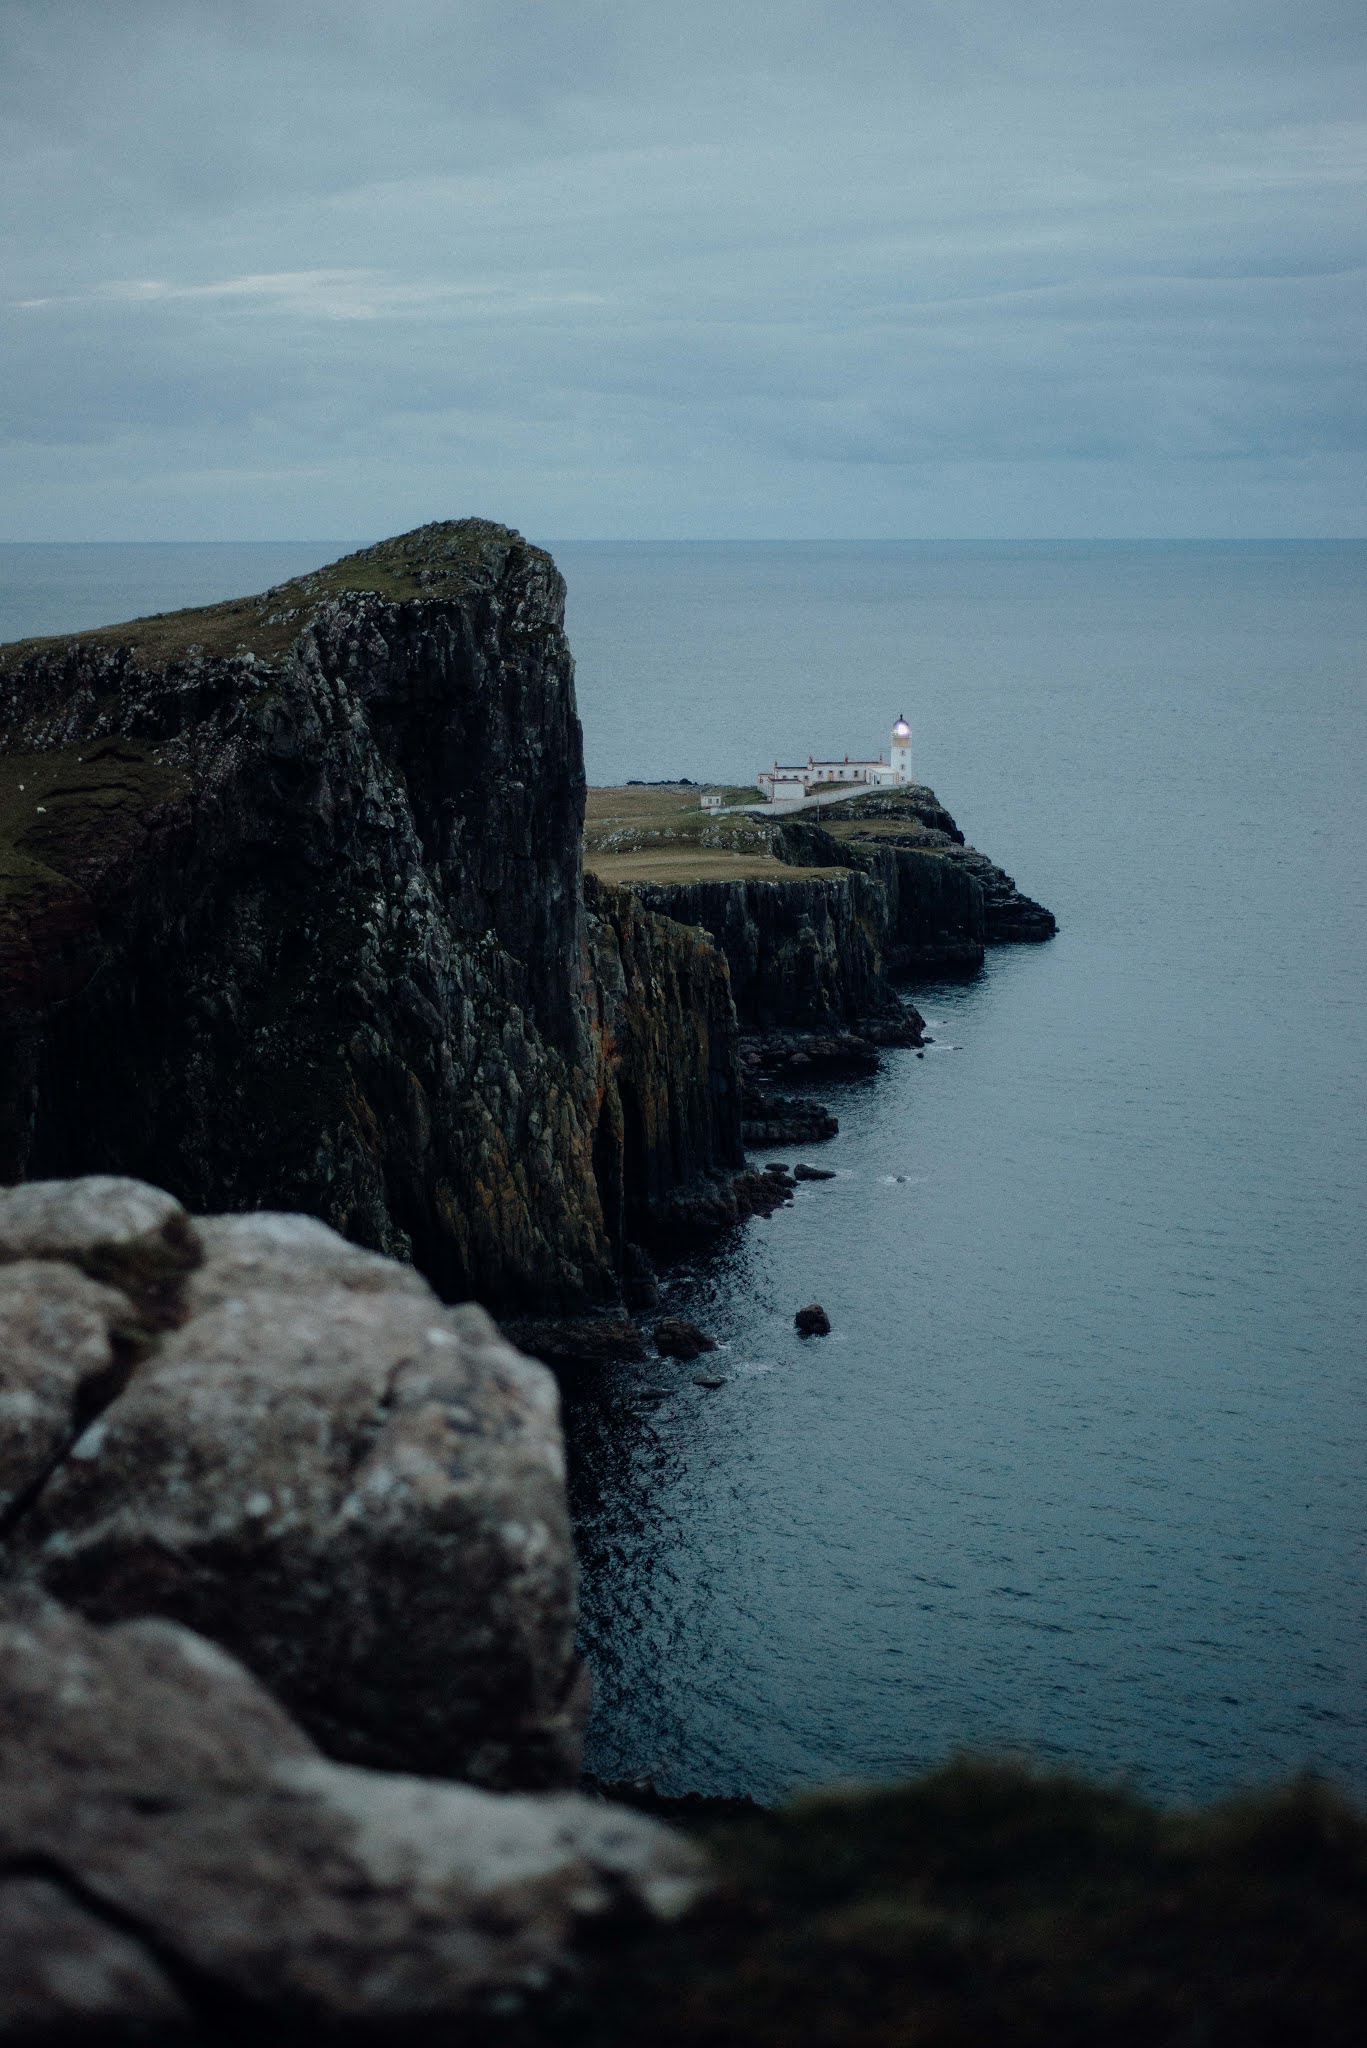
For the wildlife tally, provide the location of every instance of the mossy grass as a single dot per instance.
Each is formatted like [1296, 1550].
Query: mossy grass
[634, 833]
[898, 829]
[64, 810]
[990, 1906]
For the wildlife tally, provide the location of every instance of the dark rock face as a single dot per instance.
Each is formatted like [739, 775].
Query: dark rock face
[329, 955]
[292, 915]
[885, 888]
[945, 900]
[355, 1490]
[571, 1343]
[668, 1119]
[803, 954]
[812, 1321]
[1008, 917]
[935, 918]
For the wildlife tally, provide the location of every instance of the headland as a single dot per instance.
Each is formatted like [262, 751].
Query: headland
[305, 905]
[329, 997]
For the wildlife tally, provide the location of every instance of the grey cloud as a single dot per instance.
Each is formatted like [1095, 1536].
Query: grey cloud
[571, 246]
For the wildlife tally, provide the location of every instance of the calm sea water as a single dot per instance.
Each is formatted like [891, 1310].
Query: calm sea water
[1080, 1471]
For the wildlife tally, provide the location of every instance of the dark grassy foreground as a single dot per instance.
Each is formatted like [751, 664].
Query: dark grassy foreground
[985, 1905]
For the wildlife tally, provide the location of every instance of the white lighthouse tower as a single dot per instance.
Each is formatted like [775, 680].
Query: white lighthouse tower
[901, 751]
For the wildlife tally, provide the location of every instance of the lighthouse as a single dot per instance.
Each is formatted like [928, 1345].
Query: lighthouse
[813, 781]
[901, 751]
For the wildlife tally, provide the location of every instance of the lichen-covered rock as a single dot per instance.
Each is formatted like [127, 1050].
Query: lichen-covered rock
[66, 1974]
[82, 1219]
[57, 1356]
[174, 1854]
[358, 1491]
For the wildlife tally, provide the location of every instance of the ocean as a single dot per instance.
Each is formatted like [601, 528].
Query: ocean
[1079, 1473]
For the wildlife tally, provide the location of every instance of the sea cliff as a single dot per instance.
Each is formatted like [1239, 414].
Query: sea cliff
[293, 914]
[820, 916]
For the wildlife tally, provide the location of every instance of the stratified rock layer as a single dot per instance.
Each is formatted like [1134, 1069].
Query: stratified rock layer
[670, 1115]
[803, 952]
[293, 1447]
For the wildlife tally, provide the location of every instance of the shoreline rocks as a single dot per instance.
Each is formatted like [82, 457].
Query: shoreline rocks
[573, 1343]
[678, 1337]
[784, 1119]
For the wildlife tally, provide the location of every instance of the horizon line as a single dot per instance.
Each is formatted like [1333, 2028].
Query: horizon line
[733, 540]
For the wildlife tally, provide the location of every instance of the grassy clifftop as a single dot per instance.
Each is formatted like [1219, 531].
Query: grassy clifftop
[445, 559]
[660, 834]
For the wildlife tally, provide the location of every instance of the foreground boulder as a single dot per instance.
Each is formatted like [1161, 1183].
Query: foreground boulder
[176, 1859]
[252, 1427]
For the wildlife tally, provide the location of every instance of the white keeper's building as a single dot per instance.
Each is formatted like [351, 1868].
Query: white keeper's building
[786, 783]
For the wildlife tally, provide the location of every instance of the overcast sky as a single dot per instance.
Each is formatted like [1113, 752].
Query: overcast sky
[712, 268]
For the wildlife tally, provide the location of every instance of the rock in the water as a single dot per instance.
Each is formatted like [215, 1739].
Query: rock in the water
[812, 1321]
[709, 1379]
[677, 1337]
[173, 1850]
[356, 1490]
[803, 1172]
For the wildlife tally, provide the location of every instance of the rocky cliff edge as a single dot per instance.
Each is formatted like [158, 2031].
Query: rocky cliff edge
[291, 916]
